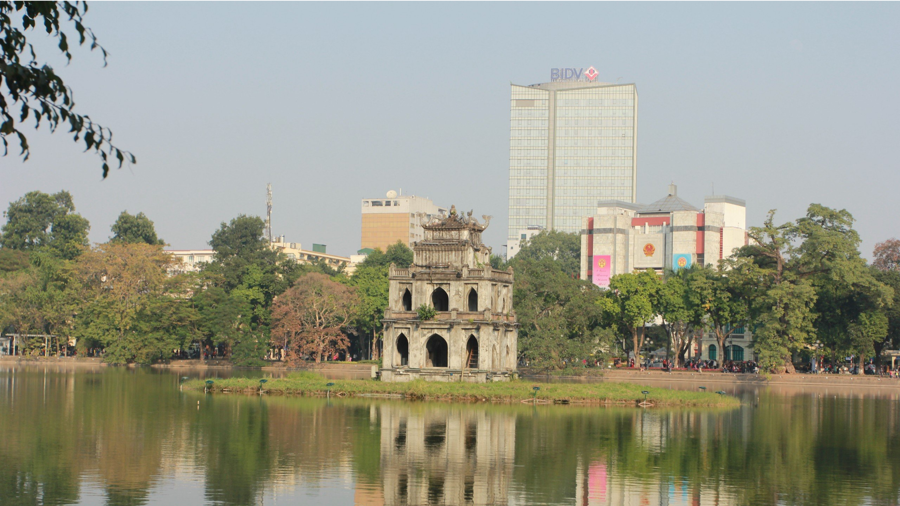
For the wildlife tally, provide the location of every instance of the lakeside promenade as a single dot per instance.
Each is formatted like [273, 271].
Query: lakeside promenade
[840, 384]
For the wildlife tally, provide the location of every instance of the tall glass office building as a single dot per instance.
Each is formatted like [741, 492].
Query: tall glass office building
[571, 144]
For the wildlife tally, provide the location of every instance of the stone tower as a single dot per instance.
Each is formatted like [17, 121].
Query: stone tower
[473, 335]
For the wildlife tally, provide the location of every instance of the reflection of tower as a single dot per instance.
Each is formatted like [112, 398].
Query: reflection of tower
[446, 456]
[269, 212]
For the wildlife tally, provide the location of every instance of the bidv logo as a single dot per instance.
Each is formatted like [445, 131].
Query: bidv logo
[572, 74]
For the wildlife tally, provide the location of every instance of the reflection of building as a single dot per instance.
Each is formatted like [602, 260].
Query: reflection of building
[572, 143]
[667, 234]
[446, 455]
[474, 329]
[514, 245]
[396, 218]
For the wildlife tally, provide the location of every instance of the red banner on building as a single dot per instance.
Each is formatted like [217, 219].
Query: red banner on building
[601, 270]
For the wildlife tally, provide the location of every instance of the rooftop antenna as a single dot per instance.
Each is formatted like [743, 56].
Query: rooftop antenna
[269, 212]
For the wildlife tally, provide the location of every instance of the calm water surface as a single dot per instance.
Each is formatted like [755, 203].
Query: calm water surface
[130, 437]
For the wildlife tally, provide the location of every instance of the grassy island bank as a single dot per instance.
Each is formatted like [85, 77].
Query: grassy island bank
[311, 384]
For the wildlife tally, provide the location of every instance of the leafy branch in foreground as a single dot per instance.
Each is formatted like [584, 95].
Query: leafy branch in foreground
[31, 89]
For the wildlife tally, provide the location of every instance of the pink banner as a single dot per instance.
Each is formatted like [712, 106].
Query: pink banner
[601, 270]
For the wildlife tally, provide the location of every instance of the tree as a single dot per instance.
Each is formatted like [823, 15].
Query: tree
[559, 318]
[120, 285]
[681, 314]
[134, 229]
[371, 280]
[34, 89]
[311, 317]
[721, 294]
[372, 286]
[398, 254]
[246, 267]
[783, 300]
[631, 304]
[562, 247]
[13, 260]
[887, 255]
[38, 220]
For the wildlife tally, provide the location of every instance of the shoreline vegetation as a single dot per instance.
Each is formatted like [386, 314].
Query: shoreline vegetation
[517, 391]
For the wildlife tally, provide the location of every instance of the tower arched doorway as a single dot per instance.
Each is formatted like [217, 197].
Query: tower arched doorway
[402, 354]
[436, 352]
[472, 353]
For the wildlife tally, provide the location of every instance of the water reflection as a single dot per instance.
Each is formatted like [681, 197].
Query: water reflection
[432, 454]
[121, 437]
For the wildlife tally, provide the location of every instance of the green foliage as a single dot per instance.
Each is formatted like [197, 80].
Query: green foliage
[631, 303]
[562, 247]
[508, 391]
[558, 316]
[247, 269]
[40, 220]
[681, 312]
[398, 254]
[249, 351]
[426, 312]
[125, 295]
[34, 89]
[13, 260]
[134, 229]
[722, 295]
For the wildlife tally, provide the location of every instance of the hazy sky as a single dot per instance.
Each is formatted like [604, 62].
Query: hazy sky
[778, 104]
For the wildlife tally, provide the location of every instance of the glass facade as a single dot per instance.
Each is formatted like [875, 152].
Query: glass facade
[571, 145]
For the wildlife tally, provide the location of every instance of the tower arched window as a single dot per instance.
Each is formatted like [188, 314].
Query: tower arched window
[473, 300]
[440, 300]
[407, 300]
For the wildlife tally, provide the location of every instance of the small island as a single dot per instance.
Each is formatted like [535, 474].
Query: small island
[315, 385]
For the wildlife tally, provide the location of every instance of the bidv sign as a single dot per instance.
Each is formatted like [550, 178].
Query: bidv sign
[572, 74]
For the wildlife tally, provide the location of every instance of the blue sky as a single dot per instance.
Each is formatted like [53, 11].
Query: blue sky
[780, 104]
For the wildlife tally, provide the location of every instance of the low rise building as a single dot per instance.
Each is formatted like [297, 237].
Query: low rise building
[191, 259]
[668, 234]
[396, 218]
[514, 245]
[295, 252]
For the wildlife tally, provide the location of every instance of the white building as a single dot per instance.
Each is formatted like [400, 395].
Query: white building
[668, 234]
[573, 141]
[514, 245]
[191, 259]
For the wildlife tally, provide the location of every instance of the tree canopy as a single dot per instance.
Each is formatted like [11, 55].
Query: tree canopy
[32, 89]
[40, 220]
[134, 230]
[563, 247]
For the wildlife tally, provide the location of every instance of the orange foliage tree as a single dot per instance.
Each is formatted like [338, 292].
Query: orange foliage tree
[311, 317]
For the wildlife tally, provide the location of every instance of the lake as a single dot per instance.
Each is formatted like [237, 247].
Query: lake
[113, 436]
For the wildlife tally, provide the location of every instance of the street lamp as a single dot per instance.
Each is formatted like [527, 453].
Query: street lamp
[328, 391]
[534, 393]
[645, 392]
[209, 384]
[262, 383]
